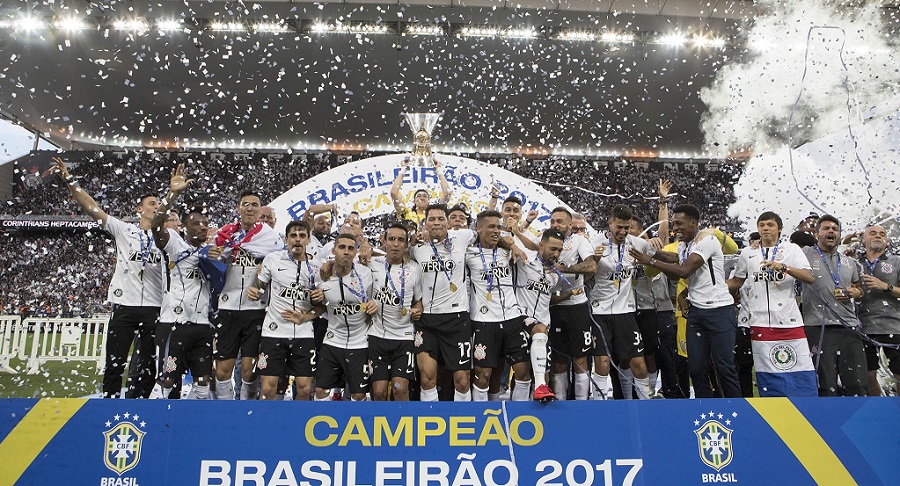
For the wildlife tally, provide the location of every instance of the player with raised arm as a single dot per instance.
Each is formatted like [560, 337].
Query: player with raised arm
[421, 198]
[184, 334]
[287, 346]
[135, 291]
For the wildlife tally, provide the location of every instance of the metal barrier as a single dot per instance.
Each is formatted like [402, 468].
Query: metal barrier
[13, 336]
[61, 339]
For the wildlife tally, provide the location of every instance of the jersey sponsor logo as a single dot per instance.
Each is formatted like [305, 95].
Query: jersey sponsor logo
[497, 270]
[434, 265]
[773, 276]
[480, 351]
[263, 361]
[244, 258]
[624, 274]
[294, 291]
[541, 286]
[153, 258]
[783, 356]
[193, 273]
[347, 308]
[122, 443]
[714, 440]
[638, 271]
[387, 296]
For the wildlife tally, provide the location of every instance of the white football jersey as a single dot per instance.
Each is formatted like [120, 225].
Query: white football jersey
[189, 293]
[534, 283]
[768, 298]
[612, 292]
[347, 320]
[395, 290]
[138, 277]
[242, 269]
[443, 266]
[492, 296]
[290, 282]
[706, 287]
[576, 249]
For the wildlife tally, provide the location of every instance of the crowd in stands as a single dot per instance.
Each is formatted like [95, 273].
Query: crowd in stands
[68, 275]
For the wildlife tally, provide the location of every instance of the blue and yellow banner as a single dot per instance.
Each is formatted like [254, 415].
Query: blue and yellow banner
[756, 441]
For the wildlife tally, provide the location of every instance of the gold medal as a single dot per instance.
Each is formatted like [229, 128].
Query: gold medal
[452, 287]
[840, 292]
[171, 265]
[489, 297]
[403, 311]
[616, 283]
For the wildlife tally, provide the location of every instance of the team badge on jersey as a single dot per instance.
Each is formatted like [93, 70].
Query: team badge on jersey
[178, 309]
[171, 365]
[887, 267]
[417, 341]
[117, 292]
[783, 356]
[480, 351]
[122, 443]
[484, 309]
[714, 440]
[224, 298]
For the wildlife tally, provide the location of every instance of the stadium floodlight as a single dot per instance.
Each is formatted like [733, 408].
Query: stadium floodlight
[28, 24]
[70, 24]
[703, 41]
[275, 27]
[368, 28]
[321, 27]
[519, 33]
[227, 26]
[136, 25]
[424, 29]
[169, 25]
[675, 40]
[576, 35]
[479, 32]
[617, 38]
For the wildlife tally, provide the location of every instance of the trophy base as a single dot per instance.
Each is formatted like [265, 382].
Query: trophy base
[420, 161]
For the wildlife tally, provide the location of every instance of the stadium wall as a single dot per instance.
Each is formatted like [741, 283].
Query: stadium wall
[753, 441]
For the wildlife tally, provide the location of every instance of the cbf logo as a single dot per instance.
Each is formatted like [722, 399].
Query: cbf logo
[122, 445]
[715, 445]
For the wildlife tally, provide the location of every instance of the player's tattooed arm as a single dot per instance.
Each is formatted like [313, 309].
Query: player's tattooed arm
[587, 267]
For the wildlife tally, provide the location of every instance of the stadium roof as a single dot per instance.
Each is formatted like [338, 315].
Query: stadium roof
[532, 76]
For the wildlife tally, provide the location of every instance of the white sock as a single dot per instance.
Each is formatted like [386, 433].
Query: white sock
[561, 385]
[326, 399]
[248, 390]
[201, 392]
[479, 394]
[625, 379]
[224, 390]
[653, 379]
[539, 358]
[521, 391]
[601, 382]
[459, 397]
[429, 395]
[642, 388]
[582, 386]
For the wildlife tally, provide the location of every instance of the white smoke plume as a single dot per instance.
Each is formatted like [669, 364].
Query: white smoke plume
[817, 97]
